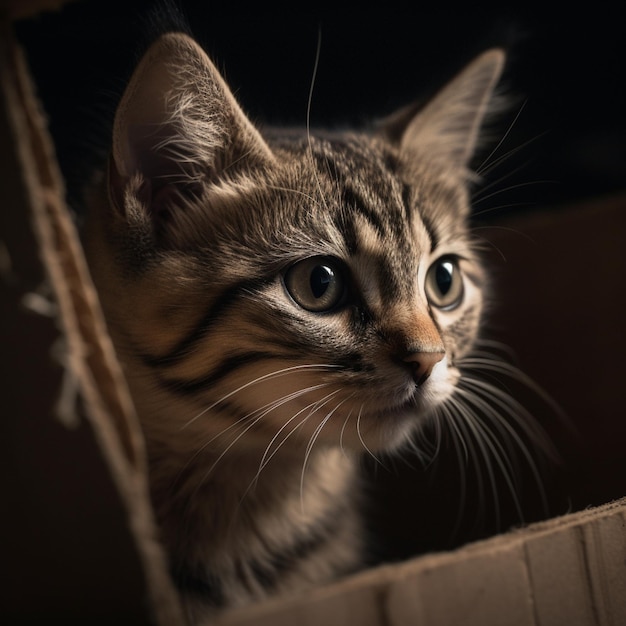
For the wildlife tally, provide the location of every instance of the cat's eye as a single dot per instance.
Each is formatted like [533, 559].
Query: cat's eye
[444, 283]
[317, 284]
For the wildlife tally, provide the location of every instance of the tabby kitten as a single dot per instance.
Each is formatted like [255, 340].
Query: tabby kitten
[281, 303]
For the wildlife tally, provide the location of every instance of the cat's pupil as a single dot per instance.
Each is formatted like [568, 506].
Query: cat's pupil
[321, 277]
[444, 276]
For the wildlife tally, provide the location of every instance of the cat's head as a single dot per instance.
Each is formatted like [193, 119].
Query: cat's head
[299, 288]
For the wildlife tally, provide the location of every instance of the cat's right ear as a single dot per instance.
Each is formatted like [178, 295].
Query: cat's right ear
[178, 125]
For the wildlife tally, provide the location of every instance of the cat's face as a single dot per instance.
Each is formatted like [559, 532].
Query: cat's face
[287, 291]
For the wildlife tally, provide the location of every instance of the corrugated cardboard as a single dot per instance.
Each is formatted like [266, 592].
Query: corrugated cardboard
[569, 570]
[78, 536]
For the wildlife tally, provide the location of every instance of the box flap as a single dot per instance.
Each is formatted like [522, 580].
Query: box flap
[568, 570]
[78, 513]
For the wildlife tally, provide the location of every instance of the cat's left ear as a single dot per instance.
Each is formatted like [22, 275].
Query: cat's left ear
[178, 122]
[447, 127]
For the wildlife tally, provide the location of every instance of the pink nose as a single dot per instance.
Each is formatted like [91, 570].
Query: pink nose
[422, 364]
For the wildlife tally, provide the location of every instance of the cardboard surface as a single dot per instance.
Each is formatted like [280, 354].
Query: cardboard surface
[569, 570]
[78, 518]
[78, 539]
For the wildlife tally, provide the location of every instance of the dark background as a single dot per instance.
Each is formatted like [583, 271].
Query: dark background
[564, 143]
[565, 77]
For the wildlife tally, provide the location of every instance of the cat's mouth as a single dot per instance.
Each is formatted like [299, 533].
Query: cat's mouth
[430, 391]
[414, 409]
[391, 424]
[419, 399]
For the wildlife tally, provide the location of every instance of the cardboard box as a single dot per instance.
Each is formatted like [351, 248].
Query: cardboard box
[565, 571]
[78, 536]
[79, 540]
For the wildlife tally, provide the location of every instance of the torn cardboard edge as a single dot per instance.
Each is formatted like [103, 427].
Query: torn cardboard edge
[567, 570]
[91, 368]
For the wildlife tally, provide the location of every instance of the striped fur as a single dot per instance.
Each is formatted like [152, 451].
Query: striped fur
[255, 408]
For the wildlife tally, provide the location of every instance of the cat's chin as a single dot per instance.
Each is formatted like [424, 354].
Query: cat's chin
[392, 429]
[387, 428]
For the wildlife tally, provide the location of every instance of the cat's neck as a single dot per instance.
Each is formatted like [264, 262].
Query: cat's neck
[241, 489]
[237, 516]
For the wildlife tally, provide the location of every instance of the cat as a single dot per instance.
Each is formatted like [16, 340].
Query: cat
[281, 303]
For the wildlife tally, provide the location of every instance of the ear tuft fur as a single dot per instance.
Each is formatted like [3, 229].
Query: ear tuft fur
[448, 126]
[178, 124]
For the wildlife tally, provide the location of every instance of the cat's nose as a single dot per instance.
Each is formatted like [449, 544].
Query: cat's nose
[422, 364]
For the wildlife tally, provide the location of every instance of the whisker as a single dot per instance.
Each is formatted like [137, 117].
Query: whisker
[507, 417]
[483, 168]
[358, 431]
[509, 434]
[511, 406]
[471, 427]
[485, 361]
[426, 442]
[481, 198]
[312, 441]
[505, 229]
[256, 381]
[505, 462]
[497, 348]
[267, 456]
[261, 414]
[507, 155]
[262, 411]
[501, 207]
[343, 428]
[488, 423]
[461, 450]
[308, 115]
[224, 452]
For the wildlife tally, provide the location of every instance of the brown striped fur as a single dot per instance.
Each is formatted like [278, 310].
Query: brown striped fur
[254, 408]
